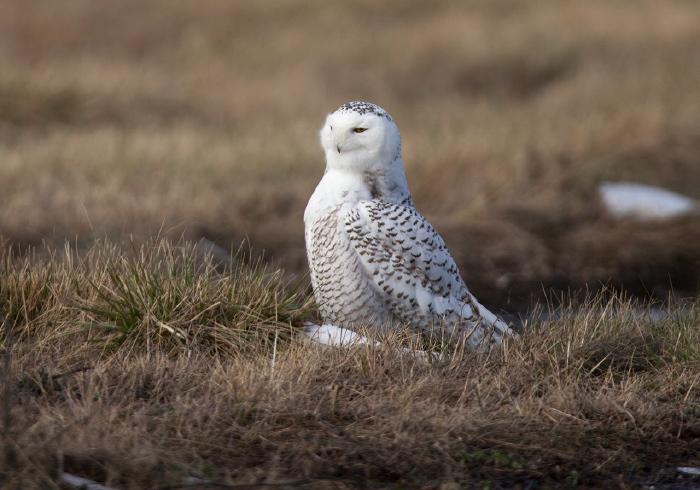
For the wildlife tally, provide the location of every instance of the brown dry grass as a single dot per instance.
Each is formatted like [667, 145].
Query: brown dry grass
[200, 119]
[130, 118]
[186, 372]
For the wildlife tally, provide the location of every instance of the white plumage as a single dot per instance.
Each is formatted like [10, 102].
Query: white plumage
[374, 260]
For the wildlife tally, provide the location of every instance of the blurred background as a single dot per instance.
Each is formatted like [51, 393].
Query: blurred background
[132, 119]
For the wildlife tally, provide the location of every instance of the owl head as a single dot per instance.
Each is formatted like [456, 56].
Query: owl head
[361, 136]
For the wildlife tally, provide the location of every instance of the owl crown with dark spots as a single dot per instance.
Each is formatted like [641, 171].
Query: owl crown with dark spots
[363, 108]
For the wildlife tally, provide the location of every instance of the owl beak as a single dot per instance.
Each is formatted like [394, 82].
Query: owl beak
[337, 147]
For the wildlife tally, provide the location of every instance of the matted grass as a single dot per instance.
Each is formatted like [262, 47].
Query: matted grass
[141, 367]
[120, 117]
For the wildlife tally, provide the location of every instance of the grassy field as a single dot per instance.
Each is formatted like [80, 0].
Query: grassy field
[139, 361]
[145, 367]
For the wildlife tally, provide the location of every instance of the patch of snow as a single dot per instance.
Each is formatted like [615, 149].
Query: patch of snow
[631, 199]
[336, 336]
[82, 483]
[342, 337]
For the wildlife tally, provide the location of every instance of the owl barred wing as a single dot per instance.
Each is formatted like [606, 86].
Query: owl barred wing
[399, 247]
[410, 264]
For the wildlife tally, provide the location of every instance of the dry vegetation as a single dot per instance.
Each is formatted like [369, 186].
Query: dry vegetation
[126, 117]
[191, 120]
[145, 367]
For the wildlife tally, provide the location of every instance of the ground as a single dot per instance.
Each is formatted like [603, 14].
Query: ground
[131, 126]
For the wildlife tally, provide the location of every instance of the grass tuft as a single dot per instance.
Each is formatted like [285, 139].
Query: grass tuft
[154, 297]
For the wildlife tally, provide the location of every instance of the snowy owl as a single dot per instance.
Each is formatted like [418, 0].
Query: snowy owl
[374, 260]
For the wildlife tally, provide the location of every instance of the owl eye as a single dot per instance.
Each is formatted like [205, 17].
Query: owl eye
[360, 130]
